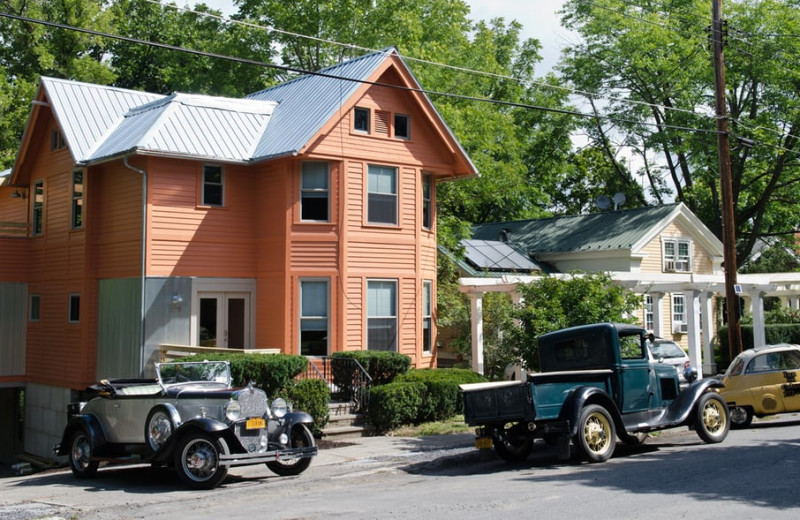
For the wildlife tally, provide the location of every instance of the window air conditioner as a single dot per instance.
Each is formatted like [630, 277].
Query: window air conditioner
[680, 328]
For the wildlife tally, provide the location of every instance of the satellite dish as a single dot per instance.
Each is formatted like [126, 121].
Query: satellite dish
[619, 199]
[603, 202]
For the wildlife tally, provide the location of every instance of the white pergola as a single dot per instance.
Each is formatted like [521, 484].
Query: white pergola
[698, 290]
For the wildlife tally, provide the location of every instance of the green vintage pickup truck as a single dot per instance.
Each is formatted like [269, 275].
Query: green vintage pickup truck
[597, 383]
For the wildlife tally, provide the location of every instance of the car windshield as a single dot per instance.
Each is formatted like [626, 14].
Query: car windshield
[666, 349]
[193, 372]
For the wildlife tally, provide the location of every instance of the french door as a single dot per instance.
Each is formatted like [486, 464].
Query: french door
[224, 320]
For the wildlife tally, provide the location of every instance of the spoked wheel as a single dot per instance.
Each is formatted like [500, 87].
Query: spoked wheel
[301, 438]
[711, 418]
[596, 436]
[197, 461]
[80, 455]
[511, 449]
[158, 427]
[741, 417]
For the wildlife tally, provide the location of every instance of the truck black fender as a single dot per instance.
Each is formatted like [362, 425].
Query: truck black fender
[580, 396]
[679, 411]
[93, 429]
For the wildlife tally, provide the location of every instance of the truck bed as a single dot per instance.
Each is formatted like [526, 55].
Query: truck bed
[505, 401]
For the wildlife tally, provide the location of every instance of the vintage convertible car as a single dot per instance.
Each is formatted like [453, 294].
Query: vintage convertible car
[188, 417]
[762, 381]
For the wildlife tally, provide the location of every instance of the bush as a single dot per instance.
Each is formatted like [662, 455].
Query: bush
[275, 373]
[312, 396]
[442, 399]
[381, 366]
[395, 404]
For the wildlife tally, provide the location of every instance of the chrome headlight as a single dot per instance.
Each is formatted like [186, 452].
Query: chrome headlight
[279, 407]
[233, 411]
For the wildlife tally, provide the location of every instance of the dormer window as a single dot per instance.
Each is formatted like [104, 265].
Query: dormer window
[677, 255]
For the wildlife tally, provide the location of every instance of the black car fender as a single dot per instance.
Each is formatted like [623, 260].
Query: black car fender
[679, 411]
[204, 424]
[91, 425]
[292, 418]
[581, 396]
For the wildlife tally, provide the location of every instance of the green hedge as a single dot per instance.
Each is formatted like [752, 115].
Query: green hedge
[419, 396]
[442, 399]
[381, 366]
[775, 333]
[312, 396]
[395, 404]
[275, 373]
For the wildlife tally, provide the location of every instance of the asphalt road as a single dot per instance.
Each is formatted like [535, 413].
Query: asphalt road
[754, 474]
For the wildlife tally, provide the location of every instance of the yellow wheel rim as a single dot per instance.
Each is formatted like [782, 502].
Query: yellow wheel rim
[597, 433]
[713, 416]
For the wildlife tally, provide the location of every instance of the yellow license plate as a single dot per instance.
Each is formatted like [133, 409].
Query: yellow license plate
[255, 423]
[483, 443]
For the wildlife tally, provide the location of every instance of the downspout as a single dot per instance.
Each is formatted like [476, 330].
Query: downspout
[143, 260]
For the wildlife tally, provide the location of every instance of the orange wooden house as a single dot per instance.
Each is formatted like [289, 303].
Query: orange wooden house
[301, 218]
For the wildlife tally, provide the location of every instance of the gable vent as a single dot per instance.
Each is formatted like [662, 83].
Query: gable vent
[382, 122]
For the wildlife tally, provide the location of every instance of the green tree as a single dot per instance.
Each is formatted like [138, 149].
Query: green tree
[647, 73]
[553, 303]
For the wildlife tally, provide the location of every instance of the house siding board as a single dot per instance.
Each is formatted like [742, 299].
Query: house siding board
[115, 219]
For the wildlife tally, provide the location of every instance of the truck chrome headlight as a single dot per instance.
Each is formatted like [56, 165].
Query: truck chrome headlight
[279, 407]
[233, 411]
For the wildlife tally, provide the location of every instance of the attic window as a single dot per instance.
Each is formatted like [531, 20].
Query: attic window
[677, 255]
[56, 140]
[361, 119]
[402, 126]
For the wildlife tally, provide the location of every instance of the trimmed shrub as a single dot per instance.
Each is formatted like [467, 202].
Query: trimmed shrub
[272, 372]
[395, 404]
[442, 399]
[312, 396]
[381, 366]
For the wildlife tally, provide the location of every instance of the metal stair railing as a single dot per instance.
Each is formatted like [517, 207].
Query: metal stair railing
[346, 378]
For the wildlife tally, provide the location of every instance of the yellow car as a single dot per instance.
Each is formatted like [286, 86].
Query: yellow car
[762, 381]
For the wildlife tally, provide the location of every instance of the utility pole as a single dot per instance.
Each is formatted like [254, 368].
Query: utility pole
[726, 185]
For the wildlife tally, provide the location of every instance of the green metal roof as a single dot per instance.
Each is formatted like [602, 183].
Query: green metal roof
[611, 230]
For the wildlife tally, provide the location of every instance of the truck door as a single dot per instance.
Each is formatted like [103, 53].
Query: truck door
[634, 377]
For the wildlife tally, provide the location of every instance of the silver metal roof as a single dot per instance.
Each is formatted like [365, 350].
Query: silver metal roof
[306, 103]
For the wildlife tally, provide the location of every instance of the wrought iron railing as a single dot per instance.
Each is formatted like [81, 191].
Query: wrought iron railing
[346, 379]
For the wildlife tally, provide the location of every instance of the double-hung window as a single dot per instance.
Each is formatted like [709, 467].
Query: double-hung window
[382, 315]
[315, 191]
[361, 117]
[382, 195]
[213, 185]
[649, 320]
[427, 317]
[679, 323]
[77, 199]
[37, 221]
[427, 205]
[677, 255]
[314, 317]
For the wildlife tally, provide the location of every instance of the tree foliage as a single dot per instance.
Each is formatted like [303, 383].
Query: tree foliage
[553, 303]
[647, 71]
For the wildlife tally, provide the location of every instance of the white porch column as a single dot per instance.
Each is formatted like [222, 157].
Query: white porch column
[757, 308]
[706, 330]
[658, 314]
[476, 312]
[794, 302]
[693, 334]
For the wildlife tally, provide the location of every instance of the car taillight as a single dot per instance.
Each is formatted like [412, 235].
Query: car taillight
[686, 365]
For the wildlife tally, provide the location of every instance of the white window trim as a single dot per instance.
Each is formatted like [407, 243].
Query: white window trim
[676, 264]
[317, 190]
[396, 317]
[429, 316]
[679, 326]
[300, 316]
[649, 311]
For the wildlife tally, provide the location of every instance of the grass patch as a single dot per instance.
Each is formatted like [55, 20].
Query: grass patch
[455, 424]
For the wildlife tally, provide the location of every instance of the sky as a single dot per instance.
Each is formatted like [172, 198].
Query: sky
[538, 18]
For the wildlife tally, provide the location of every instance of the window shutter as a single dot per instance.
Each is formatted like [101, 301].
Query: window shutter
[382, 122]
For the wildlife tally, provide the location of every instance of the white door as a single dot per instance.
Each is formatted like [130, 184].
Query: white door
[224, 320]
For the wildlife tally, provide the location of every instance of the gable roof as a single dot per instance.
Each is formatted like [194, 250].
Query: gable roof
[628, 229]
[100, 123]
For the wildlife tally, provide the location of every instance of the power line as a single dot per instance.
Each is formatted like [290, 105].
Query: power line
[285, 68]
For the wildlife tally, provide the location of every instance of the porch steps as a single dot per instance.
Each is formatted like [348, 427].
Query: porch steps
[344, 422]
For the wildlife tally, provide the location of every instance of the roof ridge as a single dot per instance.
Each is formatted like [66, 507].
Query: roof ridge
[556, 217]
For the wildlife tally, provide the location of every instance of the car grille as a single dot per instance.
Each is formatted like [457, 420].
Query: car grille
[253, 403]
